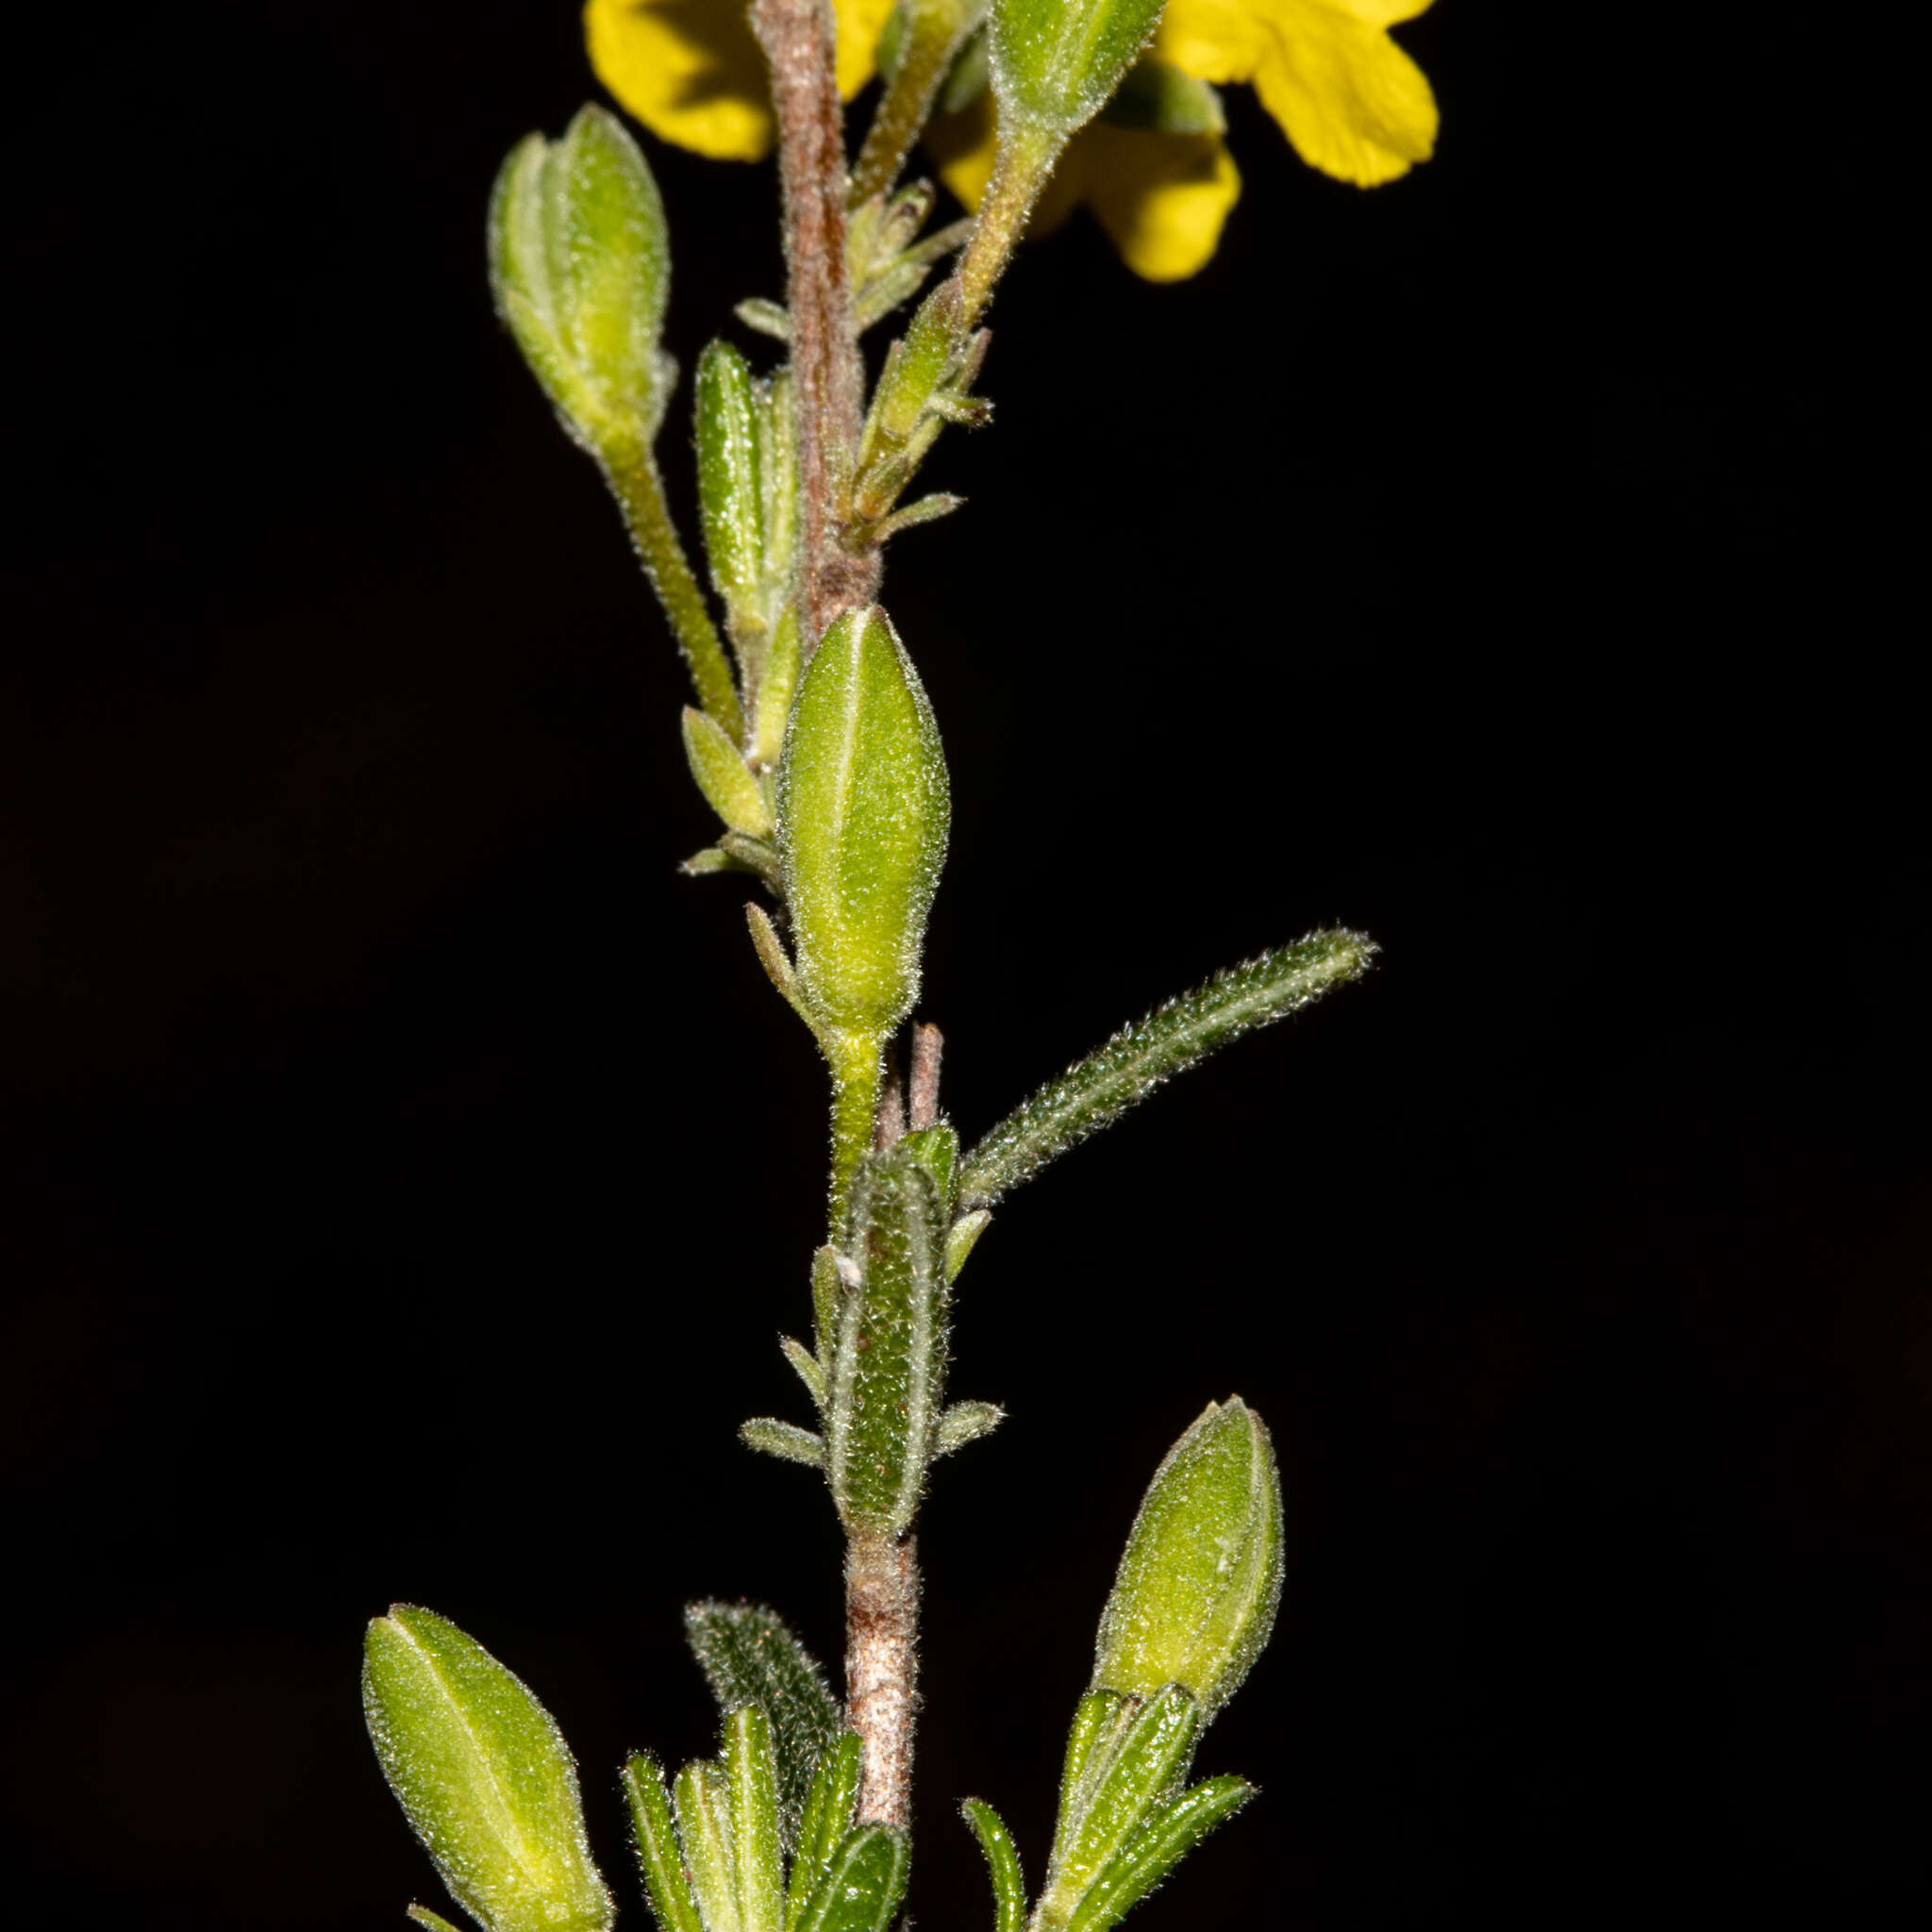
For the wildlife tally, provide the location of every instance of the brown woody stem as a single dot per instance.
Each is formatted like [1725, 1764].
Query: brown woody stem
[881, 1669]
[797, 36]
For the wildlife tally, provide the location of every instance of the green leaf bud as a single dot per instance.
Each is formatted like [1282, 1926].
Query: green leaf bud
[730, 490]
[580, 267]
[483, 1774]
[1055, 61]
[862, 816]
[1195, 1596]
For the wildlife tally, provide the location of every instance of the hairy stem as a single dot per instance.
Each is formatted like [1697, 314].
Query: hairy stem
[881, 1670]
[828, 386]
[634, 481]
[934, 30]
[1025, 161]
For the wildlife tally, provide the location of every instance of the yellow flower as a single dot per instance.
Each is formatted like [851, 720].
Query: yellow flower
[691, 70]
[1350, 100]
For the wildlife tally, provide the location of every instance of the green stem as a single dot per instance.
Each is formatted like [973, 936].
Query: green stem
[1025, 159]
[640, 491]
[934, 30]
[857, 1063]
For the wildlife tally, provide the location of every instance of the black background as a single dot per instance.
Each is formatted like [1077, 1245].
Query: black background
[407, 1170]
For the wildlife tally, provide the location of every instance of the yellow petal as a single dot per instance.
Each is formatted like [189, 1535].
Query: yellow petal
[1352, 102]
[1162, 198]
[690, 70]
[861, 23]
[1214, 39]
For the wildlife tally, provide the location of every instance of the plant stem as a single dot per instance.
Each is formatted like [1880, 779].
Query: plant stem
[797, 36]
[856, 1060]
[881, 1667]
[934, 30]
[632, 474]
[1025, 159]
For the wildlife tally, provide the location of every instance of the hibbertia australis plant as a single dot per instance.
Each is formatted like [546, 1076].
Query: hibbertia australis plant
[813, 740]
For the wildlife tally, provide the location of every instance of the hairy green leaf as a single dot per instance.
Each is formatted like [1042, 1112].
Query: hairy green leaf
[659, 1859]
[826, 1819]
[1095, 1092]
[1001, 1864]
[890, 1357]
[1167, 1837]
[864, 1881]
[749, 1655]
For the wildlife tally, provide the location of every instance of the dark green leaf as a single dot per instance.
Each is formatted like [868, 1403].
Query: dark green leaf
[748, 1655]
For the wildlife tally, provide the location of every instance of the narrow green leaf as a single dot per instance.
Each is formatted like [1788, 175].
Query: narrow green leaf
[888, 1362]
[937, 1150]
[778, 684]
[730, 490]
[751, 1766]
[749, 1655]
[659, 1861]
[1130, 1768]
[483, 1774]
[435, 1921]
[1167, 1837]
[824, 1822]
[864, 1881]
[1096, 1717]
[730, 791]
[811, 1371]
[702, 1797]
[1096, 1090]
[1001, 1864]
[827, 1288]
[961, 1238]
[786, 1440]
[768, 318]
[963, 1423]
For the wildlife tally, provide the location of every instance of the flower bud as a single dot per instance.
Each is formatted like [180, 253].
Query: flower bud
[1055, 62]
[1195, 1596]
[862, 815]
[580, 267]
[485, 1779]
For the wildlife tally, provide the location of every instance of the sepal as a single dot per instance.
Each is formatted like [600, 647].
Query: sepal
[1055, 62]
[1195, 1596]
